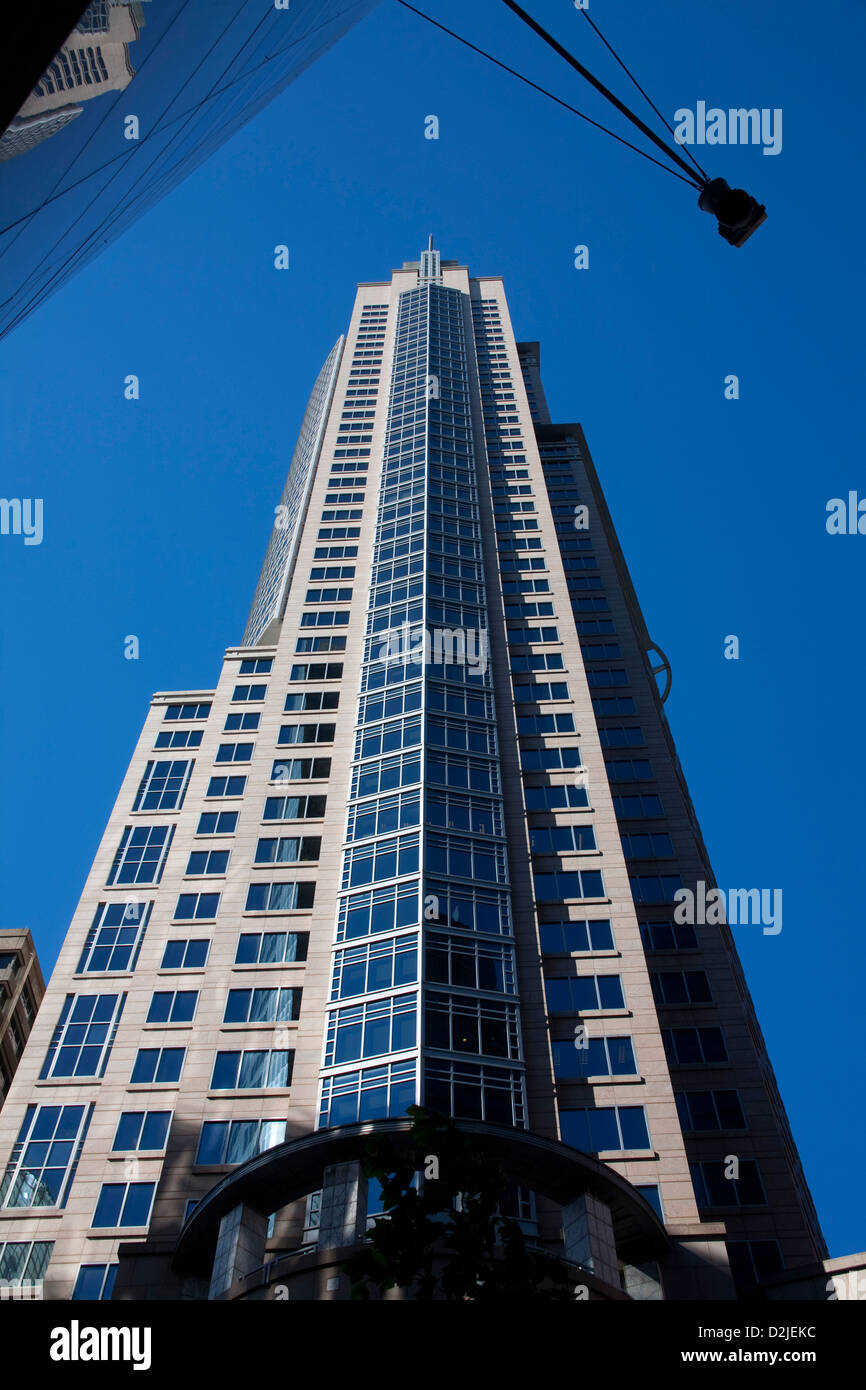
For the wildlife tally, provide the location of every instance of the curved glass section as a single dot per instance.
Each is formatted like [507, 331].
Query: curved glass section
[276, 573]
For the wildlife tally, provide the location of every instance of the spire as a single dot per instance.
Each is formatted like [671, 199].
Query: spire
[430, 267]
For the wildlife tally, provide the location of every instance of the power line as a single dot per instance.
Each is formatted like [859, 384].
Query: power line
[703, 173]
[544, 92]
[599, 86]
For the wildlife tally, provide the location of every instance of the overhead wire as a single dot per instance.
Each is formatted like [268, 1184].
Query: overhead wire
[645, 96]
[544, 92]
[599, 86]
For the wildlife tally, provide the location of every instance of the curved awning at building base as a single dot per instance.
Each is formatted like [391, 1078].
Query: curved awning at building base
[291, 1170]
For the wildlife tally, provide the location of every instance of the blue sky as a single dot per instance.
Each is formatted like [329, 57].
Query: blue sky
[157, 511]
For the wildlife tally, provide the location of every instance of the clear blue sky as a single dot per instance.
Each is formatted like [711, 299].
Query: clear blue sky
[157, 511]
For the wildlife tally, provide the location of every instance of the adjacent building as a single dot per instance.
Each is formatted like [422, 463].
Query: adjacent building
[138, 96]
[422, 843]
[21, 991]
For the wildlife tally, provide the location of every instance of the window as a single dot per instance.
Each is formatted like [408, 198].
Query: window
[647, 846]
[241, 723]
[320, 644]
[312, 700]
[45, 1155]
[600, 1057]
[379, 965]
[197, 907]
[389, 774]
[294, 808]
[537, 661]
[637, 807]
[709, 1110]
[325, 617]
[690, 1046]
[186, 954]
[141, 854]
[271, 948]
[247, 693]
[605, 677]
[563, 938]
[650, 1193]
[234, 752]
[458, 1023]
[371, 863]
[24, 1261]
[260, 667]
[468, 908]
[300, 769]
[371, 1029]
[124, 1204]
[167, 1006]
[550, 798]
[588, 883]
[306, 733]
[288, 849]
[674, 987]
[572, 994]
[226, 786]
[382, 816]
[476, 1091]
[613, 704]
[252, 1070]
[371, 1093]
[713, 1189]
[217, 823]
[655, 888]
[753, 1261]
[141, 1131]
[332, 595]
[610, 1127]
[157, 1066]
[561, 839]
[114, 939]
[94, 1282]
[621, 736]
[318, 671]
[179, 738]
[208, 861]
[635, 770]
[262, 1006]
[82, 1039]
[464, 858]
[186, 712]
[163, 786]
[234, 1141]
[667, 936]
[544, 723]
[280, 897]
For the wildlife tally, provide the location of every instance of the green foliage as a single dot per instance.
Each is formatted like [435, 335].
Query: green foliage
[447, 1241]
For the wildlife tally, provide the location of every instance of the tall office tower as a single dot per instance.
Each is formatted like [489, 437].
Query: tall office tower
[420, 844]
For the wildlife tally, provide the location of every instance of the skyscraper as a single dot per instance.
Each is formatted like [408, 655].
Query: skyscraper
[424, 842]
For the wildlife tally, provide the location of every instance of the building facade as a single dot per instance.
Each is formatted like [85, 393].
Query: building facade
[421, 844]
[21, 991]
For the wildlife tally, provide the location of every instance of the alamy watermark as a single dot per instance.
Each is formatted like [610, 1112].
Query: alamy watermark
[744, 907]
[738, 126]
[22, 516]
[441, 646]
